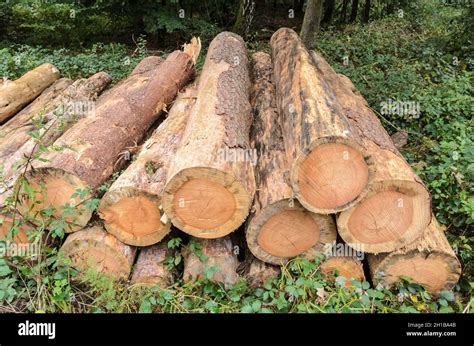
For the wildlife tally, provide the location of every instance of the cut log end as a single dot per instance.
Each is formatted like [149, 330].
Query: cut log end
[429, 261]
[392, 215]
[331, 178]
[347, 267]
[6, 222]
[436, 271]
[94, 249]
[205, 202]
[280, 232]
[54, 188]
[134, 217]
[289, 233]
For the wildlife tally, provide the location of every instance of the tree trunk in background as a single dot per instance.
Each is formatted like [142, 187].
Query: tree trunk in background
[312, 18]
[245, 16]
[344, 10]
[329, 12]
[366, 11]
[355, 7]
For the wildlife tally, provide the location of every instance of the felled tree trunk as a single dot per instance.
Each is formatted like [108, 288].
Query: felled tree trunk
[92, 148]
[330, 169]
[260, 272]
[60, 117]
[150, 269]
[279, 228]
[213, 259]
[396, 208]
[14, 95]
[345, 266]
[93, 249]
[16, 131]
[131, 208]
[429, 261]
[55, 109]
[210, 184]
[147, 64]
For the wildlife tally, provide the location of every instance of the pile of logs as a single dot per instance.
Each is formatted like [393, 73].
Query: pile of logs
[278, 147]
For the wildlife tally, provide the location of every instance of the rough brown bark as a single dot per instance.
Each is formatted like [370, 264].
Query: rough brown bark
[91, 149]
[260, 272]
[345, 266]
[429, 261]
[94, 249]
[311, 21]
[131, 208]
[14, 95]
[147, 64]
[279, 227]
[15, 131]
[52, 110]
[330, 169]
[18, 144]
[210, 188]
[216, 257]
[150, 269]
[396, 208]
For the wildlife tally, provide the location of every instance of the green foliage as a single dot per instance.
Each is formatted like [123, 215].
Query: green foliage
[112, 58]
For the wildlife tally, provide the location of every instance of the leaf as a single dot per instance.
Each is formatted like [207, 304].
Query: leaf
[448, 295]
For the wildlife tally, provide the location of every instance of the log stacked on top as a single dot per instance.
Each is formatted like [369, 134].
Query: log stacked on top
[14, 95]
[270, 233]
[320, 150]
[207, 194]
[92, 148]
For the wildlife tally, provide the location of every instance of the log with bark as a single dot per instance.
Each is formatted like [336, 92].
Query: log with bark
[279, 227]
[93, 147]
[429, 261]
[16, 131]
[330, 169]
[48, 116]
[397, 207]
[14, 95]
[212, 259]
[348, 267]
[260, 273]
[210, 185]
[131, 208]
[147, 64]
[19, 144]
[93, 249]
[150, 269]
